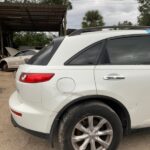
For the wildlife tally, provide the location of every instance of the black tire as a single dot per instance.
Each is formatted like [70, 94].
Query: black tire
[5, 67]
[77, 113]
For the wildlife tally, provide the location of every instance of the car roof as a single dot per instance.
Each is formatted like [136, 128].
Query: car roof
[111, 33]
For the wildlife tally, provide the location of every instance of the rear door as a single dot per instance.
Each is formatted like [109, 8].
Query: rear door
[123, 73]
[82, 66]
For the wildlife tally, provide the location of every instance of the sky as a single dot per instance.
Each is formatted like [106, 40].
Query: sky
[112, 11]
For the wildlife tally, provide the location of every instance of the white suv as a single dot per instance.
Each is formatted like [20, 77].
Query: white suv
[88, 89]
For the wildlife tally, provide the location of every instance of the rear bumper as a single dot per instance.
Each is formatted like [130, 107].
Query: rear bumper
[33, 116]
[14, 122]
[38, 134]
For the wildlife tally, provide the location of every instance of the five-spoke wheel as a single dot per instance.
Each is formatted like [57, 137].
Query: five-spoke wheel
[90, 126]
[92, 132]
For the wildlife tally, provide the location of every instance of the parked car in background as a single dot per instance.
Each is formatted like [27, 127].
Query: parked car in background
[11, 51]
[16, 58]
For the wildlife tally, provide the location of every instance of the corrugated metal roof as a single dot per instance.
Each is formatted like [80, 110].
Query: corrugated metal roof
[31, 17]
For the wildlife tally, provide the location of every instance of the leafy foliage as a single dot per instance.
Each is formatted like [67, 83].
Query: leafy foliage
[59, 2]
[144, 8]
[51, 2]
[31, 39]
[125, 23]
[92, 19]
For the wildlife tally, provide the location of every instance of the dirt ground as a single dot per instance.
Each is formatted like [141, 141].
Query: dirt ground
[15, 139]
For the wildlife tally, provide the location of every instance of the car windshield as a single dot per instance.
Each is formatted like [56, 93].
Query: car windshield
[21, 53]
[25, 53]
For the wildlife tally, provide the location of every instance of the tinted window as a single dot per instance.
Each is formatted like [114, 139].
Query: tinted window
[44, 56]
[30, 52]
[19, 54]
[129, 50]
[87, 57]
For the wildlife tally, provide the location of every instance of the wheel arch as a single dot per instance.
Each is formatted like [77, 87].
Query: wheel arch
[3, 62]
[117, 106]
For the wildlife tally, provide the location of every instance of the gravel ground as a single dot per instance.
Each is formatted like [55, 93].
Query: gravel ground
[15, 139]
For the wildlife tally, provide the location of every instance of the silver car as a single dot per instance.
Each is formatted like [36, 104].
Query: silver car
[16, 58]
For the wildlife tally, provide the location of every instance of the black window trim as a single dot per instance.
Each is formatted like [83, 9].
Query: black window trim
[103, 50]
[114, 38]
[67, 63]
[126, 36]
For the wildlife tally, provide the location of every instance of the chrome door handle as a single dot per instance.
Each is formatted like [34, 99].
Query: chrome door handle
[114, 77]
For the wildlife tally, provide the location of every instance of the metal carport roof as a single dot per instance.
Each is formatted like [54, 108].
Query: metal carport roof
[31, 17]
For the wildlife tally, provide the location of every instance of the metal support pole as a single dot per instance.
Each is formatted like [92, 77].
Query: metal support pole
[1, 40]
[65, 19]
[61, 33]
[65, 24]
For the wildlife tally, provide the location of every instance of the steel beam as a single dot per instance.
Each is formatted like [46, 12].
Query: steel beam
[1, 40]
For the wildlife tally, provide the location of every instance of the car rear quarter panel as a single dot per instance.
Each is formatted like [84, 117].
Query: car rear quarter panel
[69, 82]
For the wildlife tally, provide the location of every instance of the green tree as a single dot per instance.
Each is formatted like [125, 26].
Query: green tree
[58, 2]
[92, 19]
[31, 39]
[144, 8]
[67, 3]
[125, 23]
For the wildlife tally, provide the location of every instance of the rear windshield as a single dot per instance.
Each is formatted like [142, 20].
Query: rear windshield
[45, 54]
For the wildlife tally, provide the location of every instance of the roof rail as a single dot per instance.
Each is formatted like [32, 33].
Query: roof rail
[93, 29]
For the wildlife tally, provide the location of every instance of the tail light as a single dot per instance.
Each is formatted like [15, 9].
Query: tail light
[35, 77]
[16, 113]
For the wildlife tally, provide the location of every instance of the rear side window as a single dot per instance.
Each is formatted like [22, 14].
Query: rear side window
[45, 54]
[128, 51]
[89, 56]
